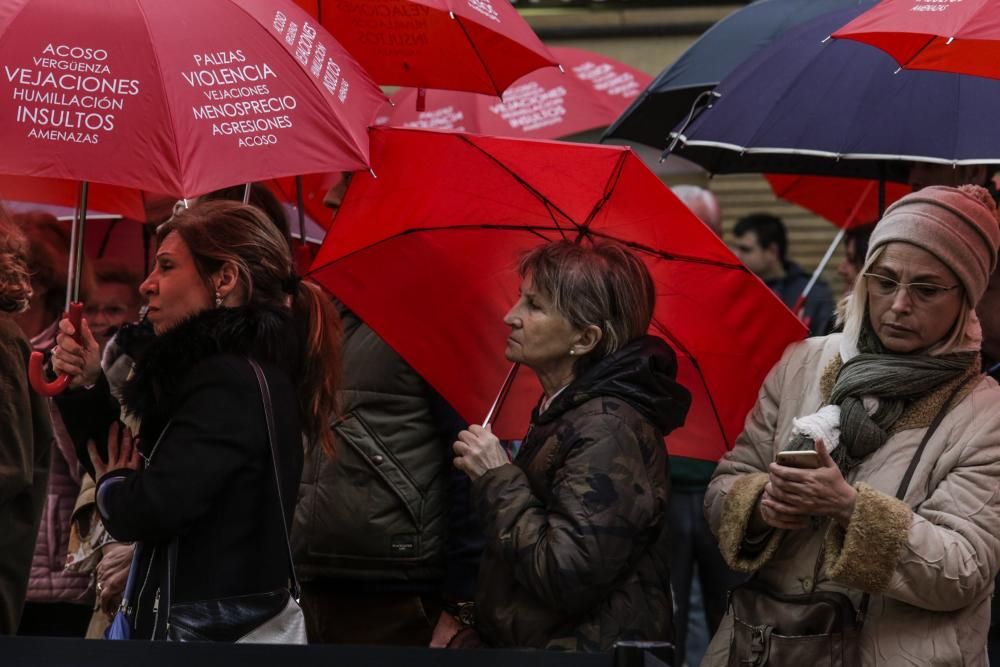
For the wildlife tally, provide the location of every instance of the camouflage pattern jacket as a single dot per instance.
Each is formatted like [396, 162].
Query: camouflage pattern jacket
[577, 544]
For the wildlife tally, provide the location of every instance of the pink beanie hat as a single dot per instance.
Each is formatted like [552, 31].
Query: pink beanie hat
[957, 225]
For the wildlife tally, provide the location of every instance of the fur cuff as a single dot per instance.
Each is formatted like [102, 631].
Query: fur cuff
[737, 509]
[866, 554]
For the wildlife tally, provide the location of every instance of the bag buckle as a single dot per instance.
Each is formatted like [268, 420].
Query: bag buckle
[759, 639]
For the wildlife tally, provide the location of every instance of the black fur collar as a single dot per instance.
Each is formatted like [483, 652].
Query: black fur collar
[264, 333]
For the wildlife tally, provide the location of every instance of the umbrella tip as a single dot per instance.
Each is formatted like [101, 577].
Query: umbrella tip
[372, 172]
[561, 68]
[950, 40]
[826, 39]
[898, 70]
[452, 15]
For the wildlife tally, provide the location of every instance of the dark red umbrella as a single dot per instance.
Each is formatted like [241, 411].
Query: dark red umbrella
[426, 254]
[960, 36]
[481, 46]
[545, 104]
[846, 202]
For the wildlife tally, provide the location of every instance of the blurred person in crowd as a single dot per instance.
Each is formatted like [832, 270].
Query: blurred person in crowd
[59, 601]
[703, 204]
[577, 542]
[112, 304]
[699, 576]
[761, 243]
[25, 432]
[223, 290]
[918, 570]
[855, 250]
[376, 568]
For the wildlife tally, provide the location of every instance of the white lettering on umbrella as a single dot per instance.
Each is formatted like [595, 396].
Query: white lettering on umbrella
[311, 54]
[606, 79]
[69, 95]
[486, 9]
[531, 107]
[445, 118]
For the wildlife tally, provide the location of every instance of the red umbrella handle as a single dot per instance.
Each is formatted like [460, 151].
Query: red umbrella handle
[36, 365]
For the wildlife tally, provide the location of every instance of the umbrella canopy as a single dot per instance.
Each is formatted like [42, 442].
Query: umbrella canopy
[962, 37]
[545, 104]
[481, 46]
[181, 97]
[837, 109]
[846, 202]
[427, 252]
[128, 202]
[668, 100]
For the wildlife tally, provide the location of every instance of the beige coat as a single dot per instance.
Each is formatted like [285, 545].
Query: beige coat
[930, 570]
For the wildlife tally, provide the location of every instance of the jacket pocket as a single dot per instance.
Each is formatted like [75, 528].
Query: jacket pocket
[366, 505]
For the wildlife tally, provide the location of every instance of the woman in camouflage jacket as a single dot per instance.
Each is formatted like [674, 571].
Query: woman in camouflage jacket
[576, 554]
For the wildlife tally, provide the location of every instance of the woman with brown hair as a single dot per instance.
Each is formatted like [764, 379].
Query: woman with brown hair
[223, 291]
[575, 526]
[25, 432]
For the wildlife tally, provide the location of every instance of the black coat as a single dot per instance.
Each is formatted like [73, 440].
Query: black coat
[209, 479]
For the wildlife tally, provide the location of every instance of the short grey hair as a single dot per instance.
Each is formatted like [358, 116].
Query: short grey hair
[602, 284]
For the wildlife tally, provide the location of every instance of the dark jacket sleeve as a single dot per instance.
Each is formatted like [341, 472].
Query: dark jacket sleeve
[212, 434]
[571, 551]
[23, 460]
[465, 534]
[87, 415]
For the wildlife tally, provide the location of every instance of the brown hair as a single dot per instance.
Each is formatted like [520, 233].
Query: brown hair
[15, 282]
[217, 232]
[602, 284]
[48, 260]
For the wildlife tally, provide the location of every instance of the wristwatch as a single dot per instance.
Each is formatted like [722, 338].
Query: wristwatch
[465, 612]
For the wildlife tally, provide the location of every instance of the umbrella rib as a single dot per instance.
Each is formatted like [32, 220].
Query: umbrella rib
[527, 186]
[609, 189]
[479, 56]
[669, 256]
[662, 329]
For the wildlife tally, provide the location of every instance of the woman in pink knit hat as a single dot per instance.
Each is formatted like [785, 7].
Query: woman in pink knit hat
[886, 551]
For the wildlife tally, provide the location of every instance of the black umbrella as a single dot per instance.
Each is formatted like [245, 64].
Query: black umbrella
[669, 98]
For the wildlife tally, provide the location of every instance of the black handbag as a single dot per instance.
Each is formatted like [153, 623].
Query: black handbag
[274, 617]
[818, 629]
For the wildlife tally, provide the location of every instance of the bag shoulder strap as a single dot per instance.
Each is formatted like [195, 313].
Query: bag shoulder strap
[265, 393]
[904, 484]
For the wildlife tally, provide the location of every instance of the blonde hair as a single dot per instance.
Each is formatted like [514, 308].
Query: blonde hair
[15, 281]
[603, 284]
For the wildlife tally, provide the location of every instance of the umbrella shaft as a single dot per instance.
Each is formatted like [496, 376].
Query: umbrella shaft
[76, 247]
[822, 264]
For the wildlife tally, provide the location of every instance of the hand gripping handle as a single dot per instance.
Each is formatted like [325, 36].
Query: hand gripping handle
[36, 365]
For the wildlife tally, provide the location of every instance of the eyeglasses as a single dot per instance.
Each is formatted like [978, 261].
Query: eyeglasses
[922, 293]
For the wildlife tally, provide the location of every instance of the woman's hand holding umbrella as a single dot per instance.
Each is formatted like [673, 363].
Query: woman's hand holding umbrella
[81, 361]
[478, 450]
[798, 492]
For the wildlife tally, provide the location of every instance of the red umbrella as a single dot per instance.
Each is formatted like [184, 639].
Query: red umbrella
[128, 202]
[945, 36]
[426, 254]
[180, 97]
[477, 45]
[546, 104]
[846, 202]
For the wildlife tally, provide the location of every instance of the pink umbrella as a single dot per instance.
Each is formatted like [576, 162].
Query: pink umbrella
[181, 97]
[545, 104]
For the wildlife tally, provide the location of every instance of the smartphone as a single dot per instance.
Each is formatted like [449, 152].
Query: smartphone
[805, 458]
